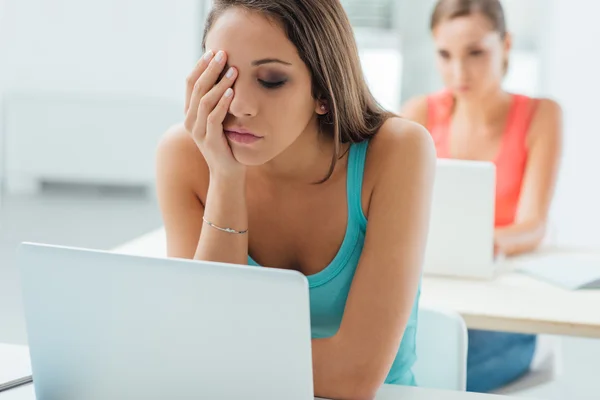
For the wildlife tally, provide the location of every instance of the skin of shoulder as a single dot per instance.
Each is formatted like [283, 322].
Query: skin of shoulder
[179, 157]
[400, 146]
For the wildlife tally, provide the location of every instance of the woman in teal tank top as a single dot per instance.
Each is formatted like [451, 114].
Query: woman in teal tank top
[329, 288]
[285, 160]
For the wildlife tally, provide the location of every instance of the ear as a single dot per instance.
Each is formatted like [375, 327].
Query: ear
[508, 42]
[321, 107]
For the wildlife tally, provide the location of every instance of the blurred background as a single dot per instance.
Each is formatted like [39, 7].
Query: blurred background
[87, 87]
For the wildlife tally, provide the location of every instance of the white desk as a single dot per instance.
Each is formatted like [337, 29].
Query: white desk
[19, 355]
[386, 393]
[516, 302]
[512, 302]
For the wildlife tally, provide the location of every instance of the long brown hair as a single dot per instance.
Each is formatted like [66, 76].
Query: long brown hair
[491, 9]
[322, 33]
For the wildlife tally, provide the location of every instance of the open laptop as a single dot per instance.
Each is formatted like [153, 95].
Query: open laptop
[108, 326]
[461, 230]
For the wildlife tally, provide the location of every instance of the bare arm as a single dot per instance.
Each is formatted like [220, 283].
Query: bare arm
[215, 230]
[226, 207]
[545, 142]
[355, 362]
[182, 174]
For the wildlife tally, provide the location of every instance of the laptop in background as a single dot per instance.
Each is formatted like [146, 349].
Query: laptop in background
[461, 230]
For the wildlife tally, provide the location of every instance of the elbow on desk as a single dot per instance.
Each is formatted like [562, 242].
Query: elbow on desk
[363, 383]
[523, 248]
[347, 367]
[351, 379]
[521, 238]
[352, 388]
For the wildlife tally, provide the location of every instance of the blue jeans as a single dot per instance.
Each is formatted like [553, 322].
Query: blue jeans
[497, 358]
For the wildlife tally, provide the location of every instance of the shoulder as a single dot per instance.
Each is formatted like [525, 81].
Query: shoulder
[547, 108]
[416, 109]
[400, 167]
[400, 148]
[429, 109]
[179, 160]
[177, 149]
[401, 136]
[546, 121]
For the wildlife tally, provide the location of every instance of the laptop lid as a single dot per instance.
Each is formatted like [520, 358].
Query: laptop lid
[461, 230]
[109, 326]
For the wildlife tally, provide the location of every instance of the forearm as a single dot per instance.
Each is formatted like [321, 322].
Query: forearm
[225, 208]
[519, 238]
[337, 374]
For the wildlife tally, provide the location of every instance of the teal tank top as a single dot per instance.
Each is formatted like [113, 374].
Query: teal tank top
[329, 288]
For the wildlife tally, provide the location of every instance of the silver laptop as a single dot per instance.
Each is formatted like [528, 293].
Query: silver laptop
[108, 326]
[461, 231]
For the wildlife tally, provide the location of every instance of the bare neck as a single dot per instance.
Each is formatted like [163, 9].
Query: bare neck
[305, 161]
[487, 111]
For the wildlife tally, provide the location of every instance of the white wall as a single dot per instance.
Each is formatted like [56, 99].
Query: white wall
[135, 46]
[2, 74]
[571, 74]
[134, 51]
[418, 52]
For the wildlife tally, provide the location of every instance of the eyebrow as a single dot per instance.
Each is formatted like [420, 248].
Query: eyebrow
[474, 44]
[256, 63]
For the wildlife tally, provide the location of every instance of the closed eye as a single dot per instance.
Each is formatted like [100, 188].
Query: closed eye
[444, 54]
[271, 84]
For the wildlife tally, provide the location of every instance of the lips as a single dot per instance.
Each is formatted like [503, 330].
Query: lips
[241, 131]
[241, 135]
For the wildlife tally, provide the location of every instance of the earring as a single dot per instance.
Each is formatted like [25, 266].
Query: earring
[323, 108]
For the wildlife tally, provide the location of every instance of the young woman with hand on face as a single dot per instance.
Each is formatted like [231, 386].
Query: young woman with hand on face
[285, 160]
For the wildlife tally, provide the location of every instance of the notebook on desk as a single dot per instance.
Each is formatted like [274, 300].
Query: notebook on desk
[15, 367]
[571, 271]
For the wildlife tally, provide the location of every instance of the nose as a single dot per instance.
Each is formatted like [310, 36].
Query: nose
[459, 70]
[244, 103]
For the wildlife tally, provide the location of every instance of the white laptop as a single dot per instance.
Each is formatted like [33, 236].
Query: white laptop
[461, 231]
[108, 326]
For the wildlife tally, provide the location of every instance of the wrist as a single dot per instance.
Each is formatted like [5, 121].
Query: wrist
[226, 204]
[227, 177]
[230, 196]
[227, 181]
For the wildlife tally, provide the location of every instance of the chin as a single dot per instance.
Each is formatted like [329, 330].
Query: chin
[463, 92]
[468, 94]
[249, 158]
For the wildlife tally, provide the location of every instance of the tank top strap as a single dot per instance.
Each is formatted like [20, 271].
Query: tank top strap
[356, 168]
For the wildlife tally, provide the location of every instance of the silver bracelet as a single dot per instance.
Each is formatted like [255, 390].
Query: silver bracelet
[228, 230]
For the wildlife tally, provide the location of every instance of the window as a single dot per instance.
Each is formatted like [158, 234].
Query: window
[374, 14]
[379, 47]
